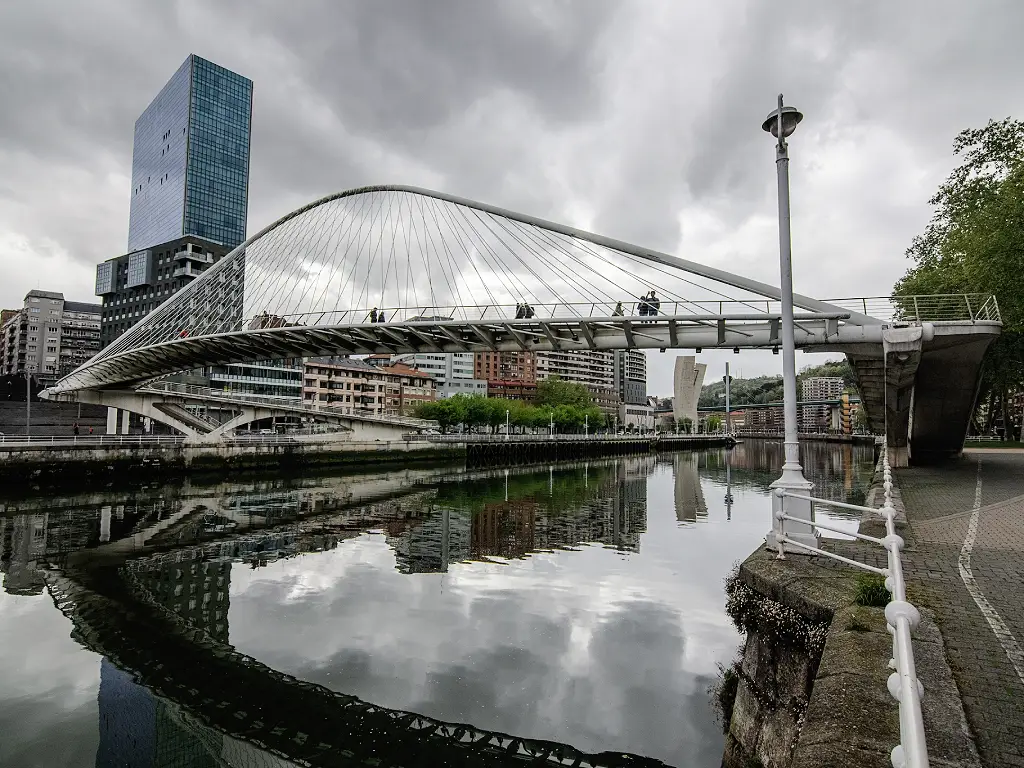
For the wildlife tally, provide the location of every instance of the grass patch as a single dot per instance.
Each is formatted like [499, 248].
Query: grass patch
[871, 591]
[992, 444]
[724, 692]
[857, 624]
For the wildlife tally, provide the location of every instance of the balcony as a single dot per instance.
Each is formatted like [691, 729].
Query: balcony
[199, 258]
[188, 270]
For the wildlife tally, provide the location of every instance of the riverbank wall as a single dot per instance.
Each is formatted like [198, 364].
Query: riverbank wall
[808, 437]
[809, 687]
[72, 460]
[63, 463]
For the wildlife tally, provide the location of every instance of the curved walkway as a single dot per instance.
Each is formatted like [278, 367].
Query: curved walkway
[967, 551]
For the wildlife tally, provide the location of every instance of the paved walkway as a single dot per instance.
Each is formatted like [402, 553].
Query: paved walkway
[966, 563]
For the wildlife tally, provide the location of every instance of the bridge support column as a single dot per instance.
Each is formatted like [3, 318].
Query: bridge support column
[886, 386]
[112, 414]
[902, 349]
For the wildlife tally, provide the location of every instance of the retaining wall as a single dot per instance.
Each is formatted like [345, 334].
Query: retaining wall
[810, 684]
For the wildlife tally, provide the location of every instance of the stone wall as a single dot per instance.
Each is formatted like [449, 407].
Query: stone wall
[811, 682]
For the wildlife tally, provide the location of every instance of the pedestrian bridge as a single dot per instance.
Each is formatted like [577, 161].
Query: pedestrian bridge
[397, 269]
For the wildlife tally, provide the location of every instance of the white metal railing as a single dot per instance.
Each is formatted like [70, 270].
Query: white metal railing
[14, 441]
[501, 437]
[20, 442]
[910, 309]
[290, 404]
[937, 308]
[901, 616]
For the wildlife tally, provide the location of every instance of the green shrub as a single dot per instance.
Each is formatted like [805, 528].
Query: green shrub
[871, 591]
[724, 693]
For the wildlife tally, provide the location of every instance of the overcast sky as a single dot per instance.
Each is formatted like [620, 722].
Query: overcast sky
[638, 120]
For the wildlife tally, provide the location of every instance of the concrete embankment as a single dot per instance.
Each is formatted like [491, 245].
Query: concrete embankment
[62, 463]
[71, 461]
[809, 688]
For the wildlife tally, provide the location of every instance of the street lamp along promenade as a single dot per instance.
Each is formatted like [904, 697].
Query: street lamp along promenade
[781, 123]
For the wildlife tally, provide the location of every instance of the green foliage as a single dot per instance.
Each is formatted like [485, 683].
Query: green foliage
[476, 411]
[975, 244]
[553, 392]
[871, 591]
[724, 692]
[714, 422]
[768, 389]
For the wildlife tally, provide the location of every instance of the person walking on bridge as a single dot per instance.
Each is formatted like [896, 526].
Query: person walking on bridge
[642, 307]
[373, 315]
[653, 304]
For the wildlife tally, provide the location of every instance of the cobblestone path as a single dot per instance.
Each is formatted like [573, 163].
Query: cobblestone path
[966, 563]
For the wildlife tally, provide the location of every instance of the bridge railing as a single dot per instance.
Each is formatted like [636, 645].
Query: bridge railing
[65, 441]
[217, 395]
[630, 308]
[901, 616]
[564, 437]
[936, 308]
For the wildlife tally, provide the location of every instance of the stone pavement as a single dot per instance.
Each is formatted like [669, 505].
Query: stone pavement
[965, 561]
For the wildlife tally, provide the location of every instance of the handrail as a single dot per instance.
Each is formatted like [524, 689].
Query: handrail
[209, 393]
[900, 615]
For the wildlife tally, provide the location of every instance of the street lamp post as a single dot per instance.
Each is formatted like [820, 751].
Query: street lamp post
[586, 425]
[552, 424]
[781, 123]
[506, 423]
[28, 401]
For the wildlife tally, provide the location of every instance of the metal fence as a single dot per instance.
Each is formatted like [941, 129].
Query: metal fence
[902, 617]
[952, 307]
[296, 406]
[932, 308]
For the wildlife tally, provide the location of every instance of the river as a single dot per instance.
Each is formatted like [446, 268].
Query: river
[418, 616]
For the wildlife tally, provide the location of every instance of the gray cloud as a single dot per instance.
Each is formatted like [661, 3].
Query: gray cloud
[639, 121]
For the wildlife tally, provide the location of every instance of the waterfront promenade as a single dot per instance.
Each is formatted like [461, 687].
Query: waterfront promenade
[965, 558]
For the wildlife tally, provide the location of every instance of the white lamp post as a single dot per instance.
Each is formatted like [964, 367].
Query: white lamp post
[552, 423]
[586, 425]
[506, 423]
[781, 123]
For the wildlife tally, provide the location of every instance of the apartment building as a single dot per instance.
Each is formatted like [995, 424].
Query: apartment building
[356, 387]
[818, 418]
[49, 337]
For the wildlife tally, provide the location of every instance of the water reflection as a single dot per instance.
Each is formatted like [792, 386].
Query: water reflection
[574, 611]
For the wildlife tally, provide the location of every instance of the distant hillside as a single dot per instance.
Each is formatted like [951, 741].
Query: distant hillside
[768, 389]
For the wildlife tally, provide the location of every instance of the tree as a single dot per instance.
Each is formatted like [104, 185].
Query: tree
[553, 392]
[975, 244]
[714, 422]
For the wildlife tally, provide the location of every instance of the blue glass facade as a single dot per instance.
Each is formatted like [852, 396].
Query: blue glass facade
[217, 177]
[190, 162]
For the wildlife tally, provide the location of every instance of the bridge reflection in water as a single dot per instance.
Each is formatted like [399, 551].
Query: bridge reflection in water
[158, 610]
[148, 586]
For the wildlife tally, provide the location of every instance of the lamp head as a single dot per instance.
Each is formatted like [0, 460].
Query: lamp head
[791, 117]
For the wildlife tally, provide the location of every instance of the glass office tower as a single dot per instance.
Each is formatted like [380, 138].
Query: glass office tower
[190, 160]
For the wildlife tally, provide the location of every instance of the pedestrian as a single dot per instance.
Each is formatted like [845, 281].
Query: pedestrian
[618, 310]
[529, 311]
[75, 428]
[654, 303]
[380, 317]
[90, 430]
[520, 311]
[642, 307]
[373, 315]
